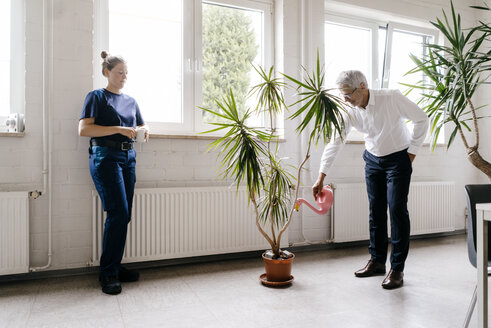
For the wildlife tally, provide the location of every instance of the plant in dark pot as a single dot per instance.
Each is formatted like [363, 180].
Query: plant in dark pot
[250, 155]
[454, 73]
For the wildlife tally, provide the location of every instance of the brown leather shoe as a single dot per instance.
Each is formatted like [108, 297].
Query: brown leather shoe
[371, 269]
[393, 280]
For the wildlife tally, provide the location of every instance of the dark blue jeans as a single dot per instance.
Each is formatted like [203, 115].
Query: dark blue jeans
[113, 173]
[387, 180]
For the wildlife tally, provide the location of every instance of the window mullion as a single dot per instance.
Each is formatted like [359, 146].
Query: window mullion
[101, 39]
[375, 56]
[198, 63]
[189, 23]
[387, 56]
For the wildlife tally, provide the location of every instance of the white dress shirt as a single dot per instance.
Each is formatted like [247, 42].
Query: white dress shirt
[383, 124]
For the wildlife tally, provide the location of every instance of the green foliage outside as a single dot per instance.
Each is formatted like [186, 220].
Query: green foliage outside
[229, 47]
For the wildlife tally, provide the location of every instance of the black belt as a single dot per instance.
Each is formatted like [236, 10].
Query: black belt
[125, 145]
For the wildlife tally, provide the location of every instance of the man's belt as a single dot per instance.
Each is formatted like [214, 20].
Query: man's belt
[125, 145]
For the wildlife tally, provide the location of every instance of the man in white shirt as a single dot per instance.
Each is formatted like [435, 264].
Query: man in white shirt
[381, 115]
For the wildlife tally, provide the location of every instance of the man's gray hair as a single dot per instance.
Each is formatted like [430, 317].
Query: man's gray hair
[352, 79]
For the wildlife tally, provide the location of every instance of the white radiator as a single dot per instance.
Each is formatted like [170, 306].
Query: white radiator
[14, 232]
[430, 206]
[182, 222]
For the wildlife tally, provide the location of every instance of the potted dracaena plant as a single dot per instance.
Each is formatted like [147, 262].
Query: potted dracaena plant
[250, 155]
[454, 73]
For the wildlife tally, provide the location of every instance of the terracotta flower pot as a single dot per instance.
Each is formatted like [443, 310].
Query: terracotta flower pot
[278, 270]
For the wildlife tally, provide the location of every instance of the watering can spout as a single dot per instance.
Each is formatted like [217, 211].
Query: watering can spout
[324, 201]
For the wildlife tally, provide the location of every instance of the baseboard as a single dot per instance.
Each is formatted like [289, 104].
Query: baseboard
[201, 259]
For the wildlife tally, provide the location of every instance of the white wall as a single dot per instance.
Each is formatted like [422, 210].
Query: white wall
[165, 162]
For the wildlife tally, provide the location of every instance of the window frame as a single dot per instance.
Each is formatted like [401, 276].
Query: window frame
[267, 43]
[191, 94]
[374, 25]
[361, 23]
[405, 28]
[17, 84]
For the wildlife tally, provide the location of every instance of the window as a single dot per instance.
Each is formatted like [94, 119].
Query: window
[11, 58]
[231, 41]
[348, 47]
[400, 41]
[379, 50]
[5, 58]
[147, 34]
[183, 54]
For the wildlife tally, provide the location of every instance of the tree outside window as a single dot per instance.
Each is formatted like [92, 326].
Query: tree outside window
[229, 46]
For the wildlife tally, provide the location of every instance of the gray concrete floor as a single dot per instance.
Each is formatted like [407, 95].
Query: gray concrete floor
[438, 286]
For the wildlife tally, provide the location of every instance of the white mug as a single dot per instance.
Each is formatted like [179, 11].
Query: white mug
[140, 135]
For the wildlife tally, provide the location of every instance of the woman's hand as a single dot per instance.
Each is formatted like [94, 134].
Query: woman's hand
[87, 128]
[127, 132]
[147, 131]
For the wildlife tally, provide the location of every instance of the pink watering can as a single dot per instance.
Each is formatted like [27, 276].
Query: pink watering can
[323, 200]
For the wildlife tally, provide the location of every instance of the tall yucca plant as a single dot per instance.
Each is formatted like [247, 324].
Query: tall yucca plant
[247, 153]
[277, 189]
[455, 73]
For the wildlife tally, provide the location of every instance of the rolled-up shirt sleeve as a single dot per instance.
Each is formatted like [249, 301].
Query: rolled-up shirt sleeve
[411, 111]
[335, 146]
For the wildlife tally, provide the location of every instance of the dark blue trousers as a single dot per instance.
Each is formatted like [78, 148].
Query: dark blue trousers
[387, 180]
[113, 173]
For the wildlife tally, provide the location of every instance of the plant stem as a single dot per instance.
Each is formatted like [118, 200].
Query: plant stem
[474, 119]
[307, 156]
[258, 224]
[464, 140]
[271, 167]
[472, 152]
[476, 159]
[272, 226]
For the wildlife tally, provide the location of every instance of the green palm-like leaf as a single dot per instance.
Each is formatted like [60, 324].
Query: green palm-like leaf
[241, 147]
[454, 72]
[269, 92]
[318, 106]
[277, 197]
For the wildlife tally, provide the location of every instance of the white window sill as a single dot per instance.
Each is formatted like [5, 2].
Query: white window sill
[12, 134]
[183, 136]
[191, 136]
[360, 142]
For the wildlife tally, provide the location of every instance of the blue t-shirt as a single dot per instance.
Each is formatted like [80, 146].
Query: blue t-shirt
[111, 109]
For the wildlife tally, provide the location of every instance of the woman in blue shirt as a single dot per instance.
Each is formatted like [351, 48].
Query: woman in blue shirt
[110, 118]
